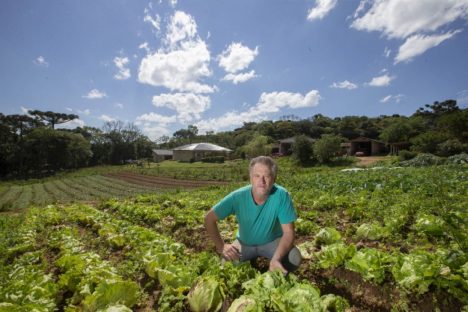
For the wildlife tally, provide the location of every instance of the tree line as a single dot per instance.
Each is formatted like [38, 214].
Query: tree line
[30, 144]
[440, 128]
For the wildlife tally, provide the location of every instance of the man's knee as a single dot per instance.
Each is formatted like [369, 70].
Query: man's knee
[293, 260]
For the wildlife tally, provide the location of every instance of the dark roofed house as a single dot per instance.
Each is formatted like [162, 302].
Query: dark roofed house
[363, 146]
[161, 155]
[197, 151]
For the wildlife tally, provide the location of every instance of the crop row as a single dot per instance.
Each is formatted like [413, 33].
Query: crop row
[89, 188]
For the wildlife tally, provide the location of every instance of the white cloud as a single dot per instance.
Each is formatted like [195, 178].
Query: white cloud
[396, 98]
[155, 132]
[150, 118]
[386, 99]
[418, 44]
[120, 63]
[321, 9]
[236, 57]
[381, 81]
[95, 94]
[344, 85]
[188, 106]
[145, 47]
[25, 110]
[414, 21]
[462, 97]
[403, 18]
[119, 105]
[242, 77]
[272, 102]
[40, 61]
[72, 124]
[268, 103]
[69, 109]
[84, 112]
[182, 63]
[173, 3]
[182, 27]
[107, 118]
[387, 52]
[155, 22]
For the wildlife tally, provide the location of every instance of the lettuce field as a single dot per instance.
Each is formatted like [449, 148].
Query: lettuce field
[382, 239]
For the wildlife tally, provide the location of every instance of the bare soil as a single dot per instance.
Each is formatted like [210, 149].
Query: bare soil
[160, 182]
[369, 160]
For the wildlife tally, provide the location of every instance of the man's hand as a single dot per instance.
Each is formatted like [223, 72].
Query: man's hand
[276, 264]
[230, 252]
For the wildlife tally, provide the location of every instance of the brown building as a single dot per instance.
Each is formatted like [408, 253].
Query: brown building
[363, 146]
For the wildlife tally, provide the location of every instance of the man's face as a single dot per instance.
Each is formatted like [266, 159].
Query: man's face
[262, 180]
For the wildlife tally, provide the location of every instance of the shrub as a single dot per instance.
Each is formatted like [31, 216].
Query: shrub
[302, 149]
[450, 147]
[406, 155]
[423, 160]
[326, 147]
[460, 159]
[213, 159]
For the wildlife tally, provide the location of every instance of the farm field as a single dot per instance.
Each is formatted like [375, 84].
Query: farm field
[386, 239]
[89, 188]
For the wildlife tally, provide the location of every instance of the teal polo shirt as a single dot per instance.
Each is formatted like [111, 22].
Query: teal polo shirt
[258, 224]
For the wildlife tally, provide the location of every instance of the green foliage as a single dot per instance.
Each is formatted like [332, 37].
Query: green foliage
[213, 159]
[334, 255]
[417, 271]
[398, 131]
[206, 295]
[406, 155]
[302, 149]
[427, 142]
[451, 147]
[327, 147]
[327, 236]
[430, 225]
[422, 160]
[370, 263]
[109, 293]
[258, 146]
[371, 231]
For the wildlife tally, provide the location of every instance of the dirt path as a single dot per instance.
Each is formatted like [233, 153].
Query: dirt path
[369, 160]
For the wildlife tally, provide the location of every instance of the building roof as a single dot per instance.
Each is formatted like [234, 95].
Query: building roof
[202, 147]
[364, 139]
[163, 152]
[292, 140]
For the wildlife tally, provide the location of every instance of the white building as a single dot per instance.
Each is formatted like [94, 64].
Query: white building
[197, 151]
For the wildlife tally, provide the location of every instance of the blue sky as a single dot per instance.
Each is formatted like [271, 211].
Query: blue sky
[164, 65]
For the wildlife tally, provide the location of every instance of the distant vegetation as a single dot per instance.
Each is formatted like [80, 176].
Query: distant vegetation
[31, 146]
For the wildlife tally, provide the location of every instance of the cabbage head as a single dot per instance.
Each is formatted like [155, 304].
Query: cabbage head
[245, 304]
[327, 236]
[206, 295]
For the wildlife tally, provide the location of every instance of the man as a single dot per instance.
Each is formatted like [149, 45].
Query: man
[265, 215]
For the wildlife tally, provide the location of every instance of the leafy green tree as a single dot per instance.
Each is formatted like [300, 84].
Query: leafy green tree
[46, 148]
[398, 131]
[284, 129]
[427, 142]
[51, 118]
[302, 149]
[451, 147]
[258, 146]
[327, 147]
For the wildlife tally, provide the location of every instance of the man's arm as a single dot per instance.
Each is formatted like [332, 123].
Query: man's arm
[227, 251]
[284, 246]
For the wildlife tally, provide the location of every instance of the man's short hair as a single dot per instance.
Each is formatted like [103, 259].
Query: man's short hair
[264, 160]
